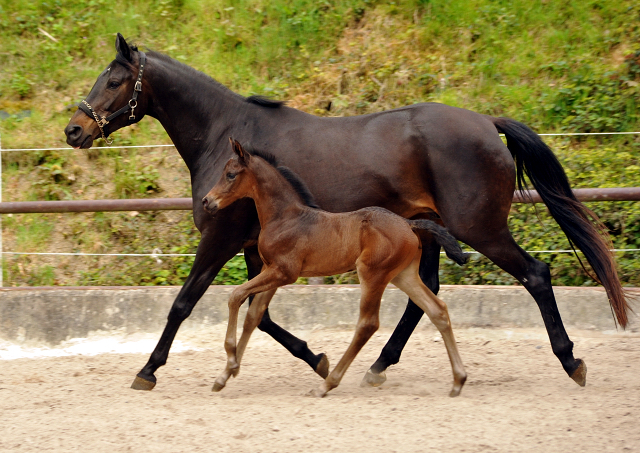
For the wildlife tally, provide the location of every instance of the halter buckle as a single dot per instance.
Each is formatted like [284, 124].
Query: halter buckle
[138, 86]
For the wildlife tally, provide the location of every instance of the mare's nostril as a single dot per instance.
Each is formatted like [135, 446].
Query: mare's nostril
[205, 202]
[73, 132]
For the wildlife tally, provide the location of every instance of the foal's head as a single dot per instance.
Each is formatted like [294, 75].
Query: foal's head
[235, 182]
[244, 174]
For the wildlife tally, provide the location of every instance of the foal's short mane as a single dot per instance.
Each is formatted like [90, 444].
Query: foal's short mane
[293, 179]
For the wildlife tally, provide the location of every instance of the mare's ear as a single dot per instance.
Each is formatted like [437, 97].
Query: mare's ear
[243, 156]
[122, 47]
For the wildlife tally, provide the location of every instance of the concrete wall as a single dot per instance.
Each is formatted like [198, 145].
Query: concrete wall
[52, 315]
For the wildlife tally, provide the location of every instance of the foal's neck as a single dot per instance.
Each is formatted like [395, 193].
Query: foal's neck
[273, 195]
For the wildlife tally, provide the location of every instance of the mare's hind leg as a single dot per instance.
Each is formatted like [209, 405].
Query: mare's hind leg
[368, 323]
[298, 348]
[536, 278]
[409, 282]
[391, 352]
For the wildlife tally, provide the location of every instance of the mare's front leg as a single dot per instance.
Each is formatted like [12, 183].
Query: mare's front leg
[390, 355]
[217, 246]
[297, 347]
[264, 285]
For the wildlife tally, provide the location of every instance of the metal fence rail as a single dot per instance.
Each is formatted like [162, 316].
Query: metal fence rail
[176, 204]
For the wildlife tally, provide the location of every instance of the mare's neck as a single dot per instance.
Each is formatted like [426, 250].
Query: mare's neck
[196, 111]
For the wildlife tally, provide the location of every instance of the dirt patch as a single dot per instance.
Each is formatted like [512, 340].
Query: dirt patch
[517, 398]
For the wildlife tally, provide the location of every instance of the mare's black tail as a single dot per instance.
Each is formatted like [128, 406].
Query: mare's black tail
[582, 227]
[442, 237]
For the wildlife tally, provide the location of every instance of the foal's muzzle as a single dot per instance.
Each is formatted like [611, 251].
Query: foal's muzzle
[210, 205]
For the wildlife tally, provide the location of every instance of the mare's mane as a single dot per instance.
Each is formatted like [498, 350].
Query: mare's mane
[292, 178]
[262, 101]
[265, 101]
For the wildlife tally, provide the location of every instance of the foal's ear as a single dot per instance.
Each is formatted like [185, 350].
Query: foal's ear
[239, 150]
[122, 47]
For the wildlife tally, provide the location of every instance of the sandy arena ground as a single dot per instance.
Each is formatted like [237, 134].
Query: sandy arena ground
[517, 398]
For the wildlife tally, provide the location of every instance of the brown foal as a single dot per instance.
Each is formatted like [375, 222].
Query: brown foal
[299, 240]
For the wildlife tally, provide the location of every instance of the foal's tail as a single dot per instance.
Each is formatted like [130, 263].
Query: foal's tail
[581, 226]
[442, 237]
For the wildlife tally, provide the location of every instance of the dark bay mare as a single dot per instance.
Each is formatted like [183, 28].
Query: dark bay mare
[421, 161]
[298, 239]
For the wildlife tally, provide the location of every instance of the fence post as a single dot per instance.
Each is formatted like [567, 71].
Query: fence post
[1, 254]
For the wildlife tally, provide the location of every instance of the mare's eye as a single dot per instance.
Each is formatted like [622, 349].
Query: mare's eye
[231, 176]
[113, 85]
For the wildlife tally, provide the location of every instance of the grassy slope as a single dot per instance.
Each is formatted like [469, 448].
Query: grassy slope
[553, 65]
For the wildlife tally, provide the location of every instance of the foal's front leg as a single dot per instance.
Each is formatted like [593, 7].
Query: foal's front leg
[264, 286]
[297, 347]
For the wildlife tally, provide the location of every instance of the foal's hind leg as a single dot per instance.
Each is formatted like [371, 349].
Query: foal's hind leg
[536, 278]
[368, 323]
[409, 282]
[391, 352]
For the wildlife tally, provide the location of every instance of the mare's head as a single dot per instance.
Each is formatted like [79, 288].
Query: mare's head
[116, 99]
[235, 182]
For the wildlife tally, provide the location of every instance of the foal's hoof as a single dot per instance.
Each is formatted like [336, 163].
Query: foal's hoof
[322, 368]
[317, 392]
[372, 379]
[142, 384]
[217, 386]
[457, 387]
[580, 374]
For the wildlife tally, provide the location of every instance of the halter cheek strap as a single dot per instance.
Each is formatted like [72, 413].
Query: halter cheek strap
[131, 105]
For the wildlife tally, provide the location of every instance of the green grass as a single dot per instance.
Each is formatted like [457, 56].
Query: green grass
[557, 66]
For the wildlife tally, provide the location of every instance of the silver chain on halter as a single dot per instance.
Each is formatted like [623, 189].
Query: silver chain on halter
[102, 121]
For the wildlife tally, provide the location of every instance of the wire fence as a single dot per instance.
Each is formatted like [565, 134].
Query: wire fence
[157, 253]
[554, 134]
[558, 134]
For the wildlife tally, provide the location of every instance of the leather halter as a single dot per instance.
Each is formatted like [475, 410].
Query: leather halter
[131, 105]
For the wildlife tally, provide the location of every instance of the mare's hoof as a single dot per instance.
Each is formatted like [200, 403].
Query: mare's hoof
[217, 386]
[372, 379]
[580, 374]
[142, 384]
[323, 366]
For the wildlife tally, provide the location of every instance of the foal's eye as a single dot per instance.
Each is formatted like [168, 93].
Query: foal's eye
[113, 85]
[231, 176]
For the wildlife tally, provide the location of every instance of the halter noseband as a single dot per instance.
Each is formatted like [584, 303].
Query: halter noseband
[131, 105]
